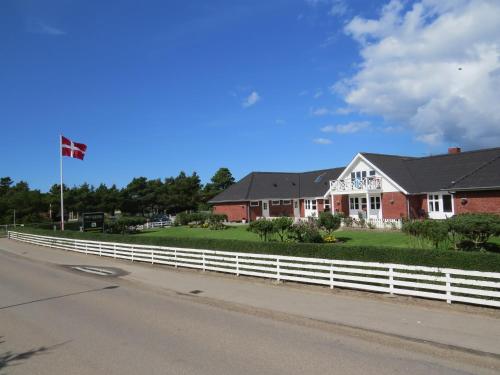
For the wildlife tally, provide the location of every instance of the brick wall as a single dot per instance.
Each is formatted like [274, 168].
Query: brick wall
[255, 212]
[341, 204]
[235, 211]
[477, 201]
[394, 205]
[418, 206]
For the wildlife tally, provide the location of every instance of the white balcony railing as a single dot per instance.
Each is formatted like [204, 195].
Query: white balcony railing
[367, 184]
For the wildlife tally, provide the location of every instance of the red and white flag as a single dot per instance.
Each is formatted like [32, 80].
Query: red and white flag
[72, 149]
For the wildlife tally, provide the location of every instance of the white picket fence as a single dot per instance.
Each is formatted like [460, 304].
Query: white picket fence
[154, 224]
[451, 285]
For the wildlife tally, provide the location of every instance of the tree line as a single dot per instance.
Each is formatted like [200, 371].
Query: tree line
[142, 196]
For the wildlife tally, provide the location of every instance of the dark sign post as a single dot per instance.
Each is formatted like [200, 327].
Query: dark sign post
[93, 222]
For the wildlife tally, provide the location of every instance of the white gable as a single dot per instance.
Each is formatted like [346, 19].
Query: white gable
[361, 164]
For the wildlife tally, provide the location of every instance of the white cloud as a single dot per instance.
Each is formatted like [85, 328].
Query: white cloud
[336, 8]
[318, 93]
[39, 27]
[251, 100]
[322, 111]
[433, 68]
[322, 141]
[350, 127]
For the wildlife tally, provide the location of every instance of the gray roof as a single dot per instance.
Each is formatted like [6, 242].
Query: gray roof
[477, 169]
[279, 185]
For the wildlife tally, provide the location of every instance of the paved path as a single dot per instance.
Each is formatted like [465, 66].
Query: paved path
[53, 320]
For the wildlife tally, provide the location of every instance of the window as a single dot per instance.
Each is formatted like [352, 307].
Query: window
[433, 202]
[287, 202]
[374, 203]
[363, 204]
[447, 207]
[372, 173]
[254, 204]
[354, 203]
[296, 204]
[264, 205]
[275, 203]
[327, 204]
[310, 204]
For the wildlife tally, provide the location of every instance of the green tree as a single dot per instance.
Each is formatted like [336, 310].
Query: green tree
[282, 226]
[329, 222]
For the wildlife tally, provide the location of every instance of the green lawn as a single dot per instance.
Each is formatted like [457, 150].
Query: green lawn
[348, 237]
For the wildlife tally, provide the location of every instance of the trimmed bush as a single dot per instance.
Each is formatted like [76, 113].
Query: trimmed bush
[264, 228]
[282, 226]
[479, 261]
[329, 222]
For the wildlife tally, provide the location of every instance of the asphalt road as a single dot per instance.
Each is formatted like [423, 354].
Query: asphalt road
[54, 320]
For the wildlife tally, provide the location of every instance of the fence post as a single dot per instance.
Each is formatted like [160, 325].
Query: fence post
[86, 248]
[152, 256]
[277, 269]
[391, 280]
[331, 275]
[114, 250]
[448, 287]
[100, 251]
[237, 265]
[175, 258]
[203, 257]
[132, 253]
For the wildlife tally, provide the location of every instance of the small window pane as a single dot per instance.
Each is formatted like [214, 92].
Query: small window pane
[447, 203]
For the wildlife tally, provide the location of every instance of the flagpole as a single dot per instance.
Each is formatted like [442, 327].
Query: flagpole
[62, 190]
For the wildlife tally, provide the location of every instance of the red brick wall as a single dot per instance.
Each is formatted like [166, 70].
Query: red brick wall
[235, 211]
[302, 208]
[281, 209]
[394, 205]
[255, 212]
[341, 204]
[418, 206]
[320, 205]
[477, 201]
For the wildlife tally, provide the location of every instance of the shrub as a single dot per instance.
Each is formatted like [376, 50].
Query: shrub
[434, 231]
[329, 222]
[478, 261]
[262, 227]
[475, 229]
[196, 218]
[329, 239]
[306, 231]
[216, 221]
[282, 226]
[124, 224]
[348, 221]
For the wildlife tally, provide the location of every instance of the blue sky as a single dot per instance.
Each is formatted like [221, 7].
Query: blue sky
[155, 87]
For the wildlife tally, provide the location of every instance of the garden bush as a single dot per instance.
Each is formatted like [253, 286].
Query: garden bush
[480, 261]
[329, 222]
[264, 228]
[306, 232]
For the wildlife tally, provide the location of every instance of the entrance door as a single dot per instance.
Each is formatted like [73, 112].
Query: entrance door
[265, 208]
[375, 207]
[310, 208]
[296, 208]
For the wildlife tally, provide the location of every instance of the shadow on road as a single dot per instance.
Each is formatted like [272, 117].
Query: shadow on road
[62, 296]
[10, 358]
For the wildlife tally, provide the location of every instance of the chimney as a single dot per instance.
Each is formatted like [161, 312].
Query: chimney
[454, 150]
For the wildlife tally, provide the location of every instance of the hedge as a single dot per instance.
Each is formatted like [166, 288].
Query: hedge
[479, 261]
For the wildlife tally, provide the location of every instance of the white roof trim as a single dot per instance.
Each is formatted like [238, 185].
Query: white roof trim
[359, 156]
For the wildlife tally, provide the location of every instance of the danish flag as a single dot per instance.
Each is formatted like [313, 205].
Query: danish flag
[72, 149]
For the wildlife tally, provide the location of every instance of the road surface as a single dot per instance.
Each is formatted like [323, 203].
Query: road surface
[57, 320]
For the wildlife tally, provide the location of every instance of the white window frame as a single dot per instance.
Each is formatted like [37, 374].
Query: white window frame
[254, 203]
[275, 202]
[436, 200]
[353, 203]
[287, 202]
[375, 203]
[326, 204]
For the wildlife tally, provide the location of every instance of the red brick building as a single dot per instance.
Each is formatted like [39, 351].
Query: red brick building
[376, 186]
